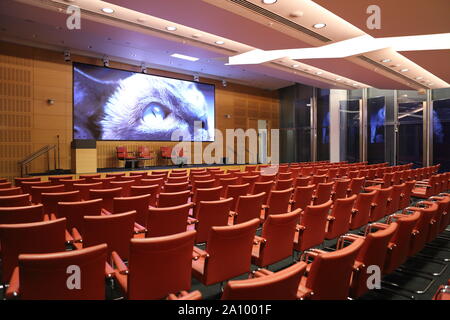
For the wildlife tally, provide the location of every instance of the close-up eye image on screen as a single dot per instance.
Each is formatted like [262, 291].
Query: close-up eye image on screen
[111, 104]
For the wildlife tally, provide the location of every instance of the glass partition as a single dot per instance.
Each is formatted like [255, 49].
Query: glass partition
[303, 129]
[323, 125]
[441, 128]
[349, 111]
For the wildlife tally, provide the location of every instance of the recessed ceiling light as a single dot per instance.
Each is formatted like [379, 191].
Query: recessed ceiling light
[171, 28]
[108, 10]
[219, 42]
[404, 70]
[196, 35]
[319, 25]
[386, 60]
[319, 72]
[269, 1]
[184, 57]
[338, 79]
[355, 84]
[295, 65]
[430, 84]
[419, 78]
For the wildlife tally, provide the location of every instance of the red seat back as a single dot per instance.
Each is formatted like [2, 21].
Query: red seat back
[50, 200]
[362, 209]
[172, 199]
[167, 221]
[209, 214]
[249, 207]
[278, 201]
[75, 211]
[303, 197]
[339, 218]
[107, 195]
[27, 214]
[19, 200]
[380, 204]
[139, 204]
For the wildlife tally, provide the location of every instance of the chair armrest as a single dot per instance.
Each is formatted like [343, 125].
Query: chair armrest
[232, 214]
[13, 288]
[105, 212]
[200, 253]
[139, 229]
[300, 228]
[119, 264]
[69, 238]
[109, 271]
[378, 225]
[77, 236]
[258, 240]
[191, 221]
[261, 273]
[331, 218]
[184, 295]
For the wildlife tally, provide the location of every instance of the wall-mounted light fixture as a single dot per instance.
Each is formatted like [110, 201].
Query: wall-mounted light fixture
[50, 102]
[105, 61]
[67, 55]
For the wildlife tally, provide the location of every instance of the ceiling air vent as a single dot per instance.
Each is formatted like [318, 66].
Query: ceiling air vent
[273, 16]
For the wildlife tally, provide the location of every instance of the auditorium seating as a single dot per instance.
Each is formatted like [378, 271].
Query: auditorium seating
[209, 214]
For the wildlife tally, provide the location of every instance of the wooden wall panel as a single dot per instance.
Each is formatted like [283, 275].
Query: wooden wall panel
[30, 76]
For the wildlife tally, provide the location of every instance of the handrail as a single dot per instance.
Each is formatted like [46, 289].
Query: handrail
[44, 150]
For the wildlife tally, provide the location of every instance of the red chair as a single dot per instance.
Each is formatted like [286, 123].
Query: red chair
[168, 220]
[437, 221]
[423, 226]
[267, 285]
[26, 185]
[380, 204]
[362, 209]
[18, 181]
[140, 204]
[395, 198]
[106, 181]
[266, 187]
[227, 255]
[248, 208]
[250, 168]
[14, 215]
[332, 174]
[339, 218]
[152, 181]
[144, 190]
[225, 182]
[180, 179]
[278, 202]
[75, 211]
[306, 171]
[85, 187]
[89, 177]
[205, 194]
[330, 273]
[107, 195]
[172, 199]
[398, 247]
[125, 185]
[19, 200]
[144, 154]
[116, 230]
[284, 184]
[124, 155]
[311, 230]
[44, 276]
[36, 237]
[267, 177]
[10, 191]
[235, 191]
[251, 180]
[372, 253]
[36, 192]
[210, 214]
[115, 175]
[303, 181]
[323, 193]
[276, 240]
[55, 180]
[340, 189]
[319, 179]
[157, 266]
[68, 184]
[407, 192]
[203, 184]
[426, 189]
[5, 185]
[169, 153]
[356, 186]
[284, 176]
[176, 187]
[50, 200]
[302, 197]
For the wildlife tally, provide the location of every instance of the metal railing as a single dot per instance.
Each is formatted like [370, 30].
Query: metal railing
[44, 150]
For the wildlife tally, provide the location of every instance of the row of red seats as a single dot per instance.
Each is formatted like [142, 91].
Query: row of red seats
[229, 201]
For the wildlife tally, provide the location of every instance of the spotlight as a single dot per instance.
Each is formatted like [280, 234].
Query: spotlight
[224, 83]
[105, 61]
[143, 68]
[196, 78]
[67, 55]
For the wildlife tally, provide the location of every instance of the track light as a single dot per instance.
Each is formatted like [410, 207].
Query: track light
[67, 55]
[105, 61]
[224, 83]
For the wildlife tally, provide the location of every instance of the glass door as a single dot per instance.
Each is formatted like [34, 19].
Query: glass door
[323, 125]
[303, 129]
[350, 116]
[410, 133]
[376, 121]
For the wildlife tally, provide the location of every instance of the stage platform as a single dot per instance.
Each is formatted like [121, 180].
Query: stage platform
[104, 171]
